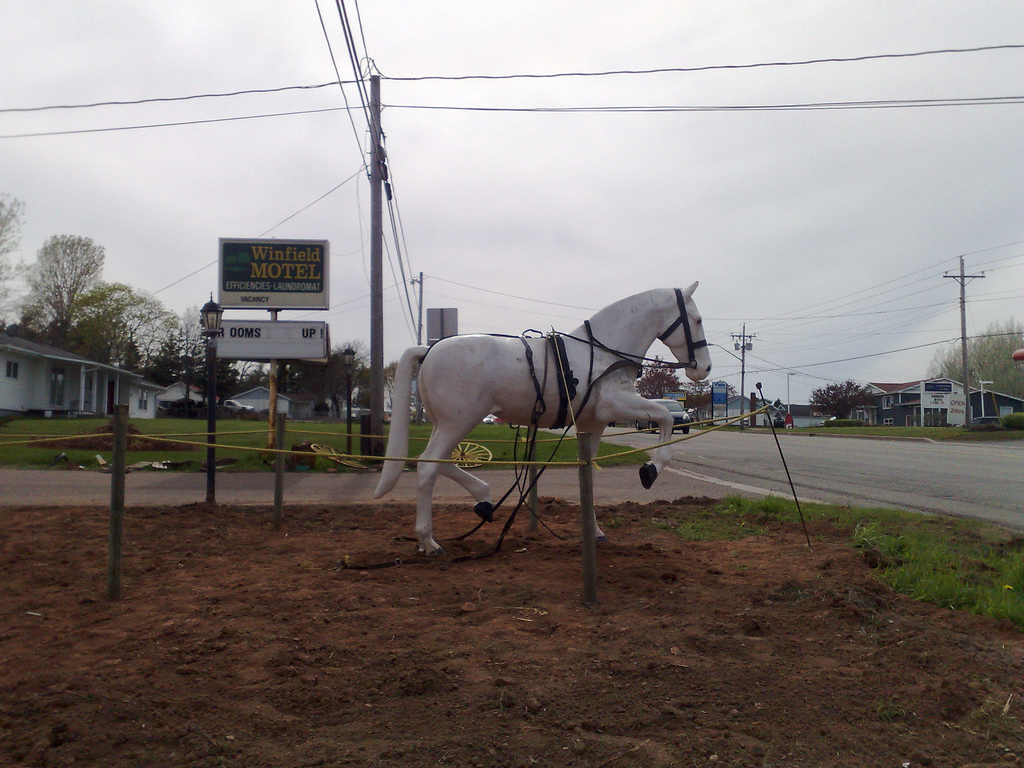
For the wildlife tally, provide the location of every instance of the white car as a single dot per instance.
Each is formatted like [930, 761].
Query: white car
[234, 406]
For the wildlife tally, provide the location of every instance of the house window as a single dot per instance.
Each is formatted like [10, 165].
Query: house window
[57, 386]
[887, 402]
[12, 369]
[143, 401]
[888, 422]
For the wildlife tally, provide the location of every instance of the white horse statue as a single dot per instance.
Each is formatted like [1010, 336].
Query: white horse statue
[583, 378]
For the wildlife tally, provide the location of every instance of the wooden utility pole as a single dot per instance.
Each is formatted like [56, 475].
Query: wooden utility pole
[962, 279]
[377, 178]
[742, 345]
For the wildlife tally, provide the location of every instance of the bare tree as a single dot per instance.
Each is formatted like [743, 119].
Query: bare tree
[989, 357]
[10, 238]
[67, 266]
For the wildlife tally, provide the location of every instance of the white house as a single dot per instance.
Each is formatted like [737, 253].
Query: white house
[39, 379]
[296, 406]
[176, 392]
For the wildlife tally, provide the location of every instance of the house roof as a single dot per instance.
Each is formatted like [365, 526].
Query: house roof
[888, 389]
[261, 392]
[46, 352]
[35, 349]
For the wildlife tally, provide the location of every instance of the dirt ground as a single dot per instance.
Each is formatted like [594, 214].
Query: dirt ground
[235, 645]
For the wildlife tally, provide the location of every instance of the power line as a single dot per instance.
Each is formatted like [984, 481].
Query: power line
[173, 124]
[713, 67]
[793, 107]
[215, 261]
[337, 75]
[169, 99]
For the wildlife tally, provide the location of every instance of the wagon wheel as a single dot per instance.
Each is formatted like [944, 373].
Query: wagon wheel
[471, 454]
[332, 455]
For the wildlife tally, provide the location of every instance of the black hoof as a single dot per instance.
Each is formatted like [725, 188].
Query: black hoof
[601, 539]
[485, 511]
[648, 474]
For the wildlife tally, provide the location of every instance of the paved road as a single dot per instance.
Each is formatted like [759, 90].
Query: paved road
[36, 487]
[983, 480]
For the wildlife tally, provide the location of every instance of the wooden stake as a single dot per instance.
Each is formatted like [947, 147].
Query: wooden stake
[588, 530]
[118, 469]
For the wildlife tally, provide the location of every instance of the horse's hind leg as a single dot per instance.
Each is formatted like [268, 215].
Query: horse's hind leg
[440, 446]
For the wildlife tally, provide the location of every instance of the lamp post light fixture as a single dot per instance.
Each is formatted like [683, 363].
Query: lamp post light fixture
[210, 316]
[348, 359]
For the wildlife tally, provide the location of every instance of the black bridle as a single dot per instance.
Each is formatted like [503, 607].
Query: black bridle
[638, 360]
[684, 320]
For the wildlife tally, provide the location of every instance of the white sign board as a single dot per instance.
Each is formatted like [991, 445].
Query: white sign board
[262, 340]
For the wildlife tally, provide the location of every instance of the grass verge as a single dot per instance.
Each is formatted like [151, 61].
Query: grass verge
[962, 564]
[243, 440]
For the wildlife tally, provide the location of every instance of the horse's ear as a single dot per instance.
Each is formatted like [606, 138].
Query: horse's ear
[689, 291]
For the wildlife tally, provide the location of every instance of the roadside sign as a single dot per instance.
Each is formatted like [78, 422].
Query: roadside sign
[441, 323]
[719, 400]
[680, 396]
[273, 274]
[262, 340]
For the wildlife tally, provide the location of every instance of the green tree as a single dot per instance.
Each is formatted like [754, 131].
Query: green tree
[989, 357]
[117, 325]
[838, 399]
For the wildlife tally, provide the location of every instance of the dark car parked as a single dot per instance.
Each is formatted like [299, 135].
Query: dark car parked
[681, 418]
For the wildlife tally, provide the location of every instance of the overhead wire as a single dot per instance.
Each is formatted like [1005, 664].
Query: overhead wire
[713, 67]
[337, 74]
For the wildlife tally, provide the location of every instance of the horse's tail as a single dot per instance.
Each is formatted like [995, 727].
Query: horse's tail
[398, 437]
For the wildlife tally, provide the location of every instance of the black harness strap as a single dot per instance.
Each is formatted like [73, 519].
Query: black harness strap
[539, 407]
[566, 382]
[684, 320]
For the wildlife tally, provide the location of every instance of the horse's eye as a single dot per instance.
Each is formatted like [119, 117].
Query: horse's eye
[700, 321]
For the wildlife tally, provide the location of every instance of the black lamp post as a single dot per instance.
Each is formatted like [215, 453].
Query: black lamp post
[210, 316]
[348, 359]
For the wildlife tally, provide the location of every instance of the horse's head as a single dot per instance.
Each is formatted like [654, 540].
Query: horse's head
[685, 336]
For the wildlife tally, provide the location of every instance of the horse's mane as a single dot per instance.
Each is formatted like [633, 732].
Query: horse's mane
[614, 310]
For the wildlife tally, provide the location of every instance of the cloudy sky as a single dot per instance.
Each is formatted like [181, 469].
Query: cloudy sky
[824, 229]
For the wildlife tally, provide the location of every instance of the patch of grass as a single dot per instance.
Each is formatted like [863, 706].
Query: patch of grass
[889, 711]
[963, 564]
[931, 433]
[723, 523]
[243, 439]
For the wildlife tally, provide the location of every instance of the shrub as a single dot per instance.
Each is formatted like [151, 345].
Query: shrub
[1013, 421]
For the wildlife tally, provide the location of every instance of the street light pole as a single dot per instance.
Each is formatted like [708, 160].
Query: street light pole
[981, 383]
[210, 315]
[348, 358]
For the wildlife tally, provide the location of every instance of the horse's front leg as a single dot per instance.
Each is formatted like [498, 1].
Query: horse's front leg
[662, 455]
[477, 488]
